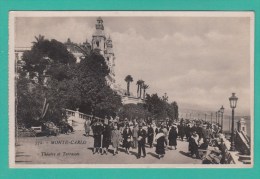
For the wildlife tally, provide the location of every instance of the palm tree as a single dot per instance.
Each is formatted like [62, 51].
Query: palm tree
[139, 87]
[128, 80]
[145, 87]
[165, 97]
[38, 39]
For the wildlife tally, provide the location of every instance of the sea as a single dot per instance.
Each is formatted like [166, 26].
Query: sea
[227, 123]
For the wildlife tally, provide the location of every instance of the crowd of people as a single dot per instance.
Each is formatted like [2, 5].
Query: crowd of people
[135, 134]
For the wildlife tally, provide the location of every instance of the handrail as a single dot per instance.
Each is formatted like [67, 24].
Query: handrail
[80, 113]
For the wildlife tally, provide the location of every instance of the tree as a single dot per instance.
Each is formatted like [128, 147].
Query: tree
[160, 108]
[155, 105]
[176, 109]
[139, 84]
[165, 97]
[128, 80]
[47, 60]
[145, 87]
[29, 101]
[141, 87]
[131, 111]
[38, 39]
[97, 97]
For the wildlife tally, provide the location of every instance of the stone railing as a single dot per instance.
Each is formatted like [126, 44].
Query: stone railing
[236, 156]
[131, 100]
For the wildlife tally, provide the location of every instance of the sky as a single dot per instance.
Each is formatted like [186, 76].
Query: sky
[197, 61]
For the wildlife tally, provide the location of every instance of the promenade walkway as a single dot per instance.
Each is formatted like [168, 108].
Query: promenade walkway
[76, 148]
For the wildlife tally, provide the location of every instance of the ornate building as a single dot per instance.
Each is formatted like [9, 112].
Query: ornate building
[99, 42]
[105, 46]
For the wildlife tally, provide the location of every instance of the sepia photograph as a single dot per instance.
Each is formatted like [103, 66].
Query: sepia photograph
[131, 89]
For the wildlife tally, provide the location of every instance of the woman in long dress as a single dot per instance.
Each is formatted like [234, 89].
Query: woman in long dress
[106, 139]
[127, 136]
[87, 127]
[97, 134]
[115, 139]
[160, 139]
[173, 137]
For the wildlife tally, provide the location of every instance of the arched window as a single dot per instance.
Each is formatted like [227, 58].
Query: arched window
[97, 42]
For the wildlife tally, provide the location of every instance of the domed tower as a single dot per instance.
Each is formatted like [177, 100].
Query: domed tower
[110, 60]
[99, 38]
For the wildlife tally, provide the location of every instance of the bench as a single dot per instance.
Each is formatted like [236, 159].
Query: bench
[202, 153]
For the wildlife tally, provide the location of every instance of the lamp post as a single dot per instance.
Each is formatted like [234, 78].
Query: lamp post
[219, 118]
[222, 112]
[229, 124]
[233, 103]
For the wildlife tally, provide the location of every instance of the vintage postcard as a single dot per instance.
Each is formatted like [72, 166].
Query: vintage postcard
[131, 89]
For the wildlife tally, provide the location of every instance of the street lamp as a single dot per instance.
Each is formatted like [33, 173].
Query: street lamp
[218, 116]
[233, 103]
[222, 112]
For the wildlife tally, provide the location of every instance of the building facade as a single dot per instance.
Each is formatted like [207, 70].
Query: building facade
[99, 42]
[105, 46]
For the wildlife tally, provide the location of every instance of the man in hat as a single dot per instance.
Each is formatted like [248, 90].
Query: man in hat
[173, 137]
[188, 131]
[97, 134]
[181, 131]
[193, 144]
[127, 137]
[157, 129]
[150, 132]
[106, 136]
[135, 135]
[141, 141]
